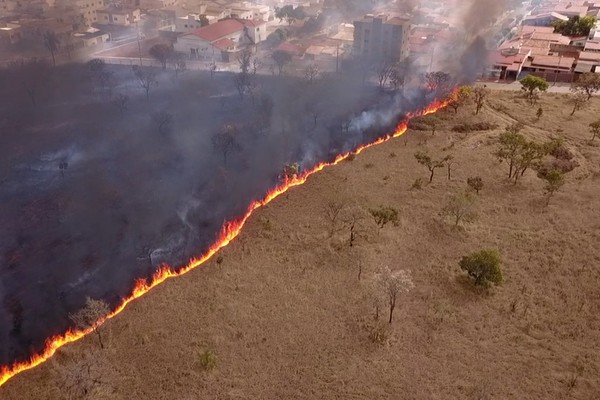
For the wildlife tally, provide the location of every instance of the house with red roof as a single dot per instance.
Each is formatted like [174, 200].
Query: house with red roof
[216, 42]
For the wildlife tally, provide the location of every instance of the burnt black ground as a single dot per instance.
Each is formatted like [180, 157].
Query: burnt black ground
[132, 197]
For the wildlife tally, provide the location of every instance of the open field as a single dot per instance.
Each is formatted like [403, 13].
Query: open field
[287, 317]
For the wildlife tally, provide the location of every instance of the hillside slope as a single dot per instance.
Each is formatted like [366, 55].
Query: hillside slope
[287, 316]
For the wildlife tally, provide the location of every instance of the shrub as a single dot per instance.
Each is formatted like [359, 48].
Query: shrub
[384, 215]
[472, 127]
[483, 266]
[475, 183]
[208, 360]
[418, 184]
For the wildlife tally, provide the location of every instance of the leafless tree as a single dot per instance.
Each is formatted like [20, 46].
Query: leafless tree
[311, 73]
[385, 70]
[393, 284]
[163, 121]
[90, 315]
[225, 141]
[578, 100]
[146, 79]
[332, 212]
[120, 102]
[179, 63]
[51, 43]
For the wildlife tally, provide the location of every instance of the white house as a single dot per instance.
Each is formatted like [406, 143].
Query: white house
[216, 41]
[118, 16]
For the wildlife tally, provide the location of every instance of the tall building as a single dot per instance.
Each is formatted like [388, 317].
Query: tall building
[381, 38]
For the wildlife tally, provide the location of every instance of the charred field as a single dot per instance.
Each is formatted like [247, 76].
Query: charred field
[103, 183]
[286, 312]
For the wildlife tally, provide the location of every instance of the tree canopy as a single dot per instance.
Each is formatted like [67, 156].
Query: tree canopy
[575, 26]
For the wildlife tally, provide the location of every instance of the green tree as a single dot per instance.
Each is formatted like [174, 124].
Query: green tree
[480, 94]
[554, 181]
[511, 144]
[595, 129]
[429, 163]
[483, 266]
[532, 85]
[575, 26]
[588, 83]
[162, 53]
[460, 97]
[384, 215]
[460, 208]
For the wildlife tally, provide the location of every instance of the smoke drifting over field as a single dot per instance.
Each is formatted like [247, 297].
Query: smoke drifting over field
[96, 194]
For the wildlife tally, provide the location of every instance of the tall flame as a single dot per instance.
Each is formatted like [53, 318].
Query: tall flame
[229, 231]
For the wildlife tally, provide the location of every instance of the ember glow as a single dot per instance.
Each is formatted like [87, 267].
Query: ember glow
[228, 232]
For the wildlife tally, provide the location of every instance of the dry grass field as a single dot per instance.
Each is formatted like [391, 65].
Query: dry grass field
[286, 316]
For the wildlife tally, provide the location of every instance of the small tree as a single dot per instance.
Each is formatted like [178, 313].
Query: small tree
[511, 144]
[394, 284]
[120, 102]
[432, 165]
[539, 113]
[179, 63]
[311, 73]
[483, 266]
[383, 216]
[587, 83]
[225, 141]
[460, 97]
[480, 94]
[332, 212]
[532, 85]
[460, 208]
[384, 72]
[91, 316]
[595, 129]
[163, 121]
[475, 183]
[51, 43]
[162, 53]
[554, 181]
[439, 82]
[281, 58]
[146, 79]
[578, 101]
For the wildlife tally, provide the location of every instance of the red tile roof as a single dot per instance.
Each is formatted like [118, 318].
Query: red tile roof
[224, 28]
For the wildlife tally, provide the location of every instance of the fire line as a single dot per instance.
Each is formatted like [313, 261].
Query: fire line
[229, 231]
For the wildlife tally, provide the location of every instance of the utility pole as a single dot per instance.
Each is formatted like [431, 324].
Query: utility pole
[138, 40]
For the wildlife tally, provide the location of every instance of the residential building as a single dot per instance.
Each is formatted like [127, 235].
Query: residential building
[380, 37]
[156, 4]
[118, 16]
[217, 41]
[84, 9]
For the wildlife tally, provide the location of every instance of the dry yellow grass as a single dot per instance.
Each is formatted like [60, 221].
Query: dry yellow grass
[287, 317]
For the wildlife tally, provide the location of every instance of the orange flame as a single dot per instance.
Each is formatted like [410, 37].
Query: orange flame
[229, 231]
